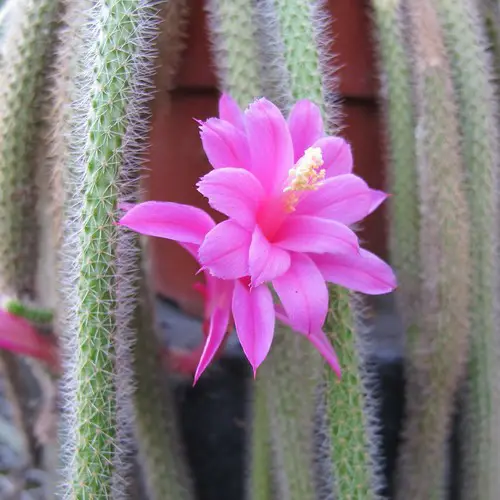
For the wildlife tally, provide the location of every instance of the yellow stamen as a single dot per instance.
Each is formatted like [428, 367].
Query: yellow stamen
[305, 176]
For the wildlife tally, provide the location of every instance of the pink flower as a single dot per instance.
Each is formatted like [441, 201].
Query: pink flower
[19, 336]
[289, 194]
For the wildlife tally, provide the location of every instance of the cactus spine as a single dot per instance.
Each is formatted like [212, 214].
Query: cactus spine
[91, 226]
[438, 350]
[471, 67]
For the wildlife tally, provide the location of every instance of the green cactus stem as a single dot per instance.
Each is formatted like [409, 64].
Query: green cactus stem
[232, 32]
[26, 39]
[437, 351]
[260, 475]
[397, 99]
[478, 110]
[90, 226]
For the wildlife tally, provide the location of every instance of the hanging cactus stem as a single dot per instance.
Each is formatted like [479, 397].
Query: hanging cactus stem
[473, 77]
[437, 354]
[110, 56]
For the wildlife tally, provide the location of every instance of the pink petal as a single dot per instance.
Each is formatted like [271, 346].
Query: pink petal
[344, 198]
[337, 155]
[235, 192]
[306, 233]
[378, 197]
[19, 336]
[364, 272]
[266, 261]
[270, 144]
[303, 294]
[224, 144]
[306, 126]
[318, 339]
[219, 321]
[173, 221]
[224, 252]
[231, 112]
[254, 318]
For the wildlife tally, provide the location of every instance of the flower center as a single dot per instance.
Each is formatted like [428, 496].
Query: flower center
[306, 175]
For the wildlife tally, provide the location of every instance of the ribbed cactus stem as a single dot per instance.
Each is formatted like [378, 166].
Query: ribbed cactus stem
[437, 352]
[352, 417]
[302, 26]
[27, 29]
[109, 63]
[233, 31]
[145, 403]
[478, 110]
[291, 378]
[397, 98]
[25, 50]
[260, 475]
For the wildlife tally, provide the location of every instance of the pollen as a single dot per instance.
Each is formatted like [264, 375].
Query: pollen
[306, 175]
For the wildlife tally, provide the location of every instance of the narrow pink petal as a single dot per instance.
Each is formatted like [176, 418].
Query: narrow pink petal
[378, 197]
[20, 337]
[224, 144]
[318, 339]
[235, 192]
[224, 252]
[345, 198]
[173, 221]
[306, 233]
[364, 272]
[219, 321]
[231, 112]
[270, 144]
[303, 294]
[266, 261]
[337, 155]
[254, 318]
[306, 126]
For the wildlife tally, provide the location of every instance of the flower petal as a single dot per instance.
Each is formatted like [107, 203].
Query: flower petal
[219, 321]
[224, 144]
[224, 252]
[266, 261]
[173, 221]
[19, 336]
[235, 192]
[364, 272]
[344, 198]
[378, 197]
[231, 112]
[270, 144]
[254, 318]
[306, 233]
[303, 294]
[318, 339]
[337, 155]
[306, 126]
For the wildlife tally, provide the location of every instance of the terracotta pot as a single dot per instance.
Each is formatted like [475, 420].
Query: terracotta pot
[177, 159]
